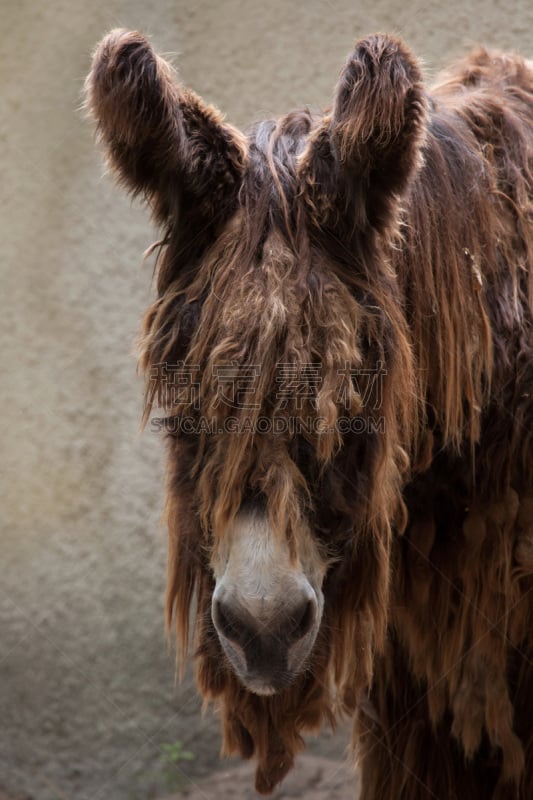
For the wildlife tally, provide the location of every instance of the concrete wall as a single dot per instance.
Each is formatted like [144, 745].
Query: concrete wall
[87, 690]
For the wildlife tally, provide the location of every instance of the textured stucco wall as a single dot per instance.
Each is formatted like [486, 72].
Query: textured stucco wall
[86, 683]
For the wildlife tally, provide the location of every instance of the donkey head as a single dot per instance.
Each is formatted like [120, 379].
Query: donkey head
[278, 348]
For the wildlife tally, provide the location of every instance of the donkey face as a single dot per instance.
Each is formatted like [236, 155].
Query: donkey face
[273, 258]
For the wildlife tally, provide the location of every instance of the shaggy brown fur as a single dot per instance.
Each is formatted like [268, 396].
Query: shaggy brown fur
[395, 229]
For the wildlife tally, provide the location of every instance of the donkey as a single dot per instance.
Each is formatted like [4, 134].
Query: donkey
[342, 347]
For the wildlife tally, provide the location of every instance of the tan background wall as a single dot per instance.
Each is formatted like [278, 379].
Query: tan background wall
[86, 683]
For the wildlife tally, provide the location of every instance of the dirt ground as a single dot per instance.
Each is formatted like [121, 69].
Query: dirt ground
[87, 692]
[313, 778]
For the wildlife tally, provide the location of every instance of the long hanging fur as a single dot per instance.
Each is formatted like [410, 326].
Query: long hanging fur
[396, 230]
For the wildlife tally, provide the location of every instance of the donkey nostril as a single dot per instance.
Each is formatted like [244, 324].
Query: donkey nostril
[228, 623]
[302, 621]
[223, 620]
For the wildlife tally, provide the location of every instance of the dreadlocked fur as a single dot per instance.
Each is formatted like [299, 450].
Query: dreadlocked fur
[393, 231]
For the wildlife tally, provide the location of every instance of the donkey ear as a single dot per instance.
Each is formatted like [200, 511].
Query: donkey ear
[370, 146]
[162, 140]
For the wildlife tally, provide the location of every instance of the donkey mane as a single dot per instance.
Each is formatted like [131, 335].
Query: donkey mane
[395, 229]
